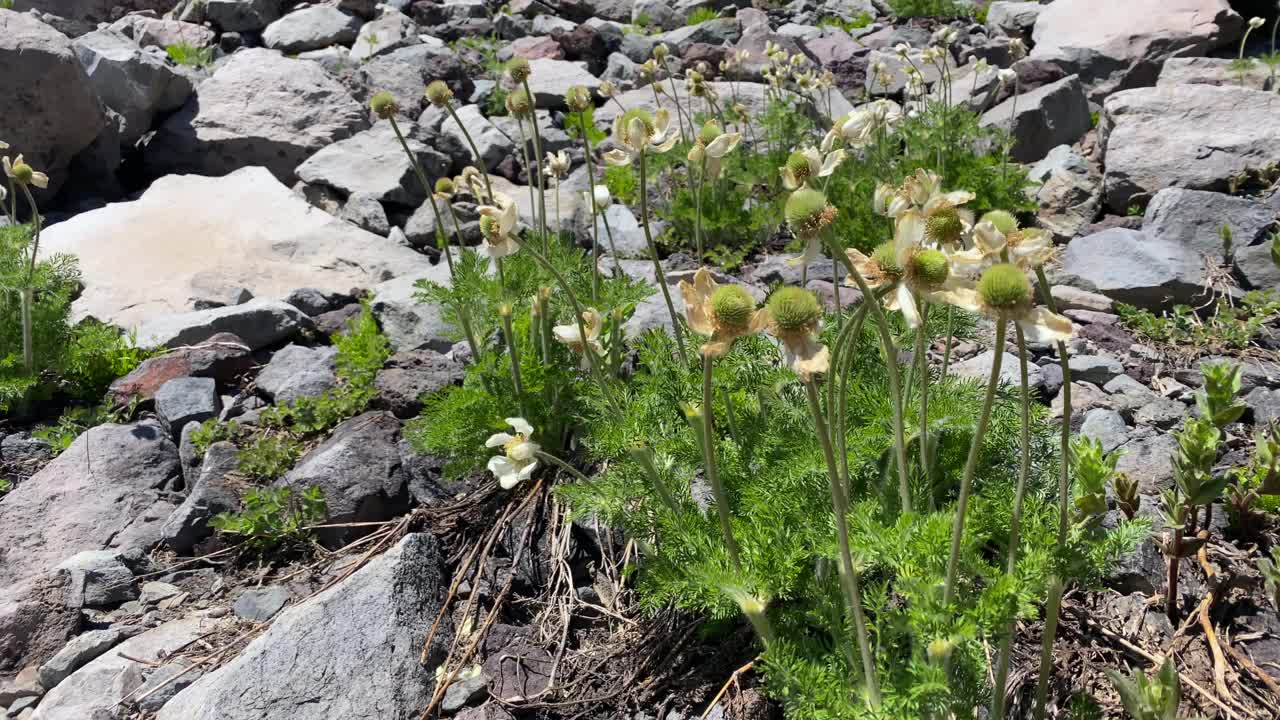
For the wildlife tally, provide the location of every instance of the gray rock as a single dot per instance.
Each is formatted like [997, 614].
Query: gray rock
[1070, 298]
[1070, 192]
[493, 143]
[373, 163]
[659, 13]
[1015, 19]
[546, 24]
[1120, 45]
[163, 32]
[896, 67]
[60, 114]
[404, 72]
[1105, 426]
[212, 492]
[978, 91]
[166, 681]
[1212, 71]
[187, 400]
[1194, 219]
[721, 31]
[1148, 458]
[85, 499]
[258, 322]
[462, 692]
[1052, 115]
[97, 578]
[621, 70]
[1257, 267]
[979, 367]
[155, 592]
[94, 690]
[1130, 267]
[410, 376]
[1264, 404]
[135, 84]
[26, 684]
[76, 654]
[1096, 369]
[1163, 413]
[261, 604]
[408, 323]
[622, 232]
[549, 79]
[258, 108]
[242, 15]
[358, 471]
[368, 630]
[1190, 136]
[296, 371]
[390, 31]
[311, 28]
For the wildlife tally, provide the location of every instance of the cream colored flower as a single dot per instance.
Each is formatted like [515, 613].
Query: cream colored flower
[520, 454]
[472, 181]
[722, 312]
[794, 317]
[804, 165]
[599, 195]
[607, 89]
[1027, 249]
[711, 146]
[497, 226]
[556, 165]
[1006, 76]
[639, 131]
[860, 127]
[569, 334]
[1004, 294]
[23, 174]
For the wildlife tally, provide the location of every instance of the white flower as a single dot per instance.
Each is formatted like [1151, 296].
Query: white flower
[1006, 76]
[557, 164]
[497, 225]
[1017, 49]
[858, 128]
[520, 454]
[902, 50]
[570, 336]
[1256, 22]
[637, 131]
[600, 195]
[816, 165]
[23, 174]
[714, 152]
[981, 67]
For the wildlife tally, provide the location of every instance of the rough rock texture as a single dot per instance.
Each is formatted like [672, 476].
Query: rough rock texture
[411, 375]
[136, 84]
[1191, 136]
[85, 498]
[1194, 220]
[391, 30]
[34, 622]
[1042, 119]
[297, 371]
[221, 357]
[84, 15]
[260, 323]
[358, 470]
[311, 28]
[1117, 45]
[205, 236]
[187, 400]
[404, 72]
[76, 654]
[1212, 71]
[549, 79]
[1069, 194]
[241, 15]
[162, 32]
[60, 114]
[213, 492]
[258, 108]
[1130, 267]
[350, 652]
[408, 323]
[1257, 268]
[373, 163]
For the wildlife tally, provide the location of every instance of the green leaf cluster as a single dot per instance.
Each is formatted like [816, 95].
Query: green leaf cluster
[1232, 326]
[273, 519]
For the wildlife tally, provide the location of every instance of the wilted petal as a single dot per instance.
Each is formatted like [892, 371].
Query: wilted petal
[498, 440]
[831, 162]
[520, 425]
[1041, 325]
[665, 145]
[724, 144]
[907, 304]
[617, 158]
[988, 239]
[965, 298]
[908, 236]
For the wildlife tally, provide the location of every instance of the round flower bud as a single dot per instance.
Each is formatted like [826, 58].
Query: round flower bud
[438, 93]
[929, 267]
[886, 256]
[794, 309]
[383, 104]
[732, 306]
[519, 104]
[709, 132]
[1256, 22]
[660, 51]
[1004, 221]
[944, 225]
[517, 68]
[444, 186]
[807, 212]
[798, 164]
[940, 649]
[1004, 286]
[578, 98]
[23, 173]
[505, 310]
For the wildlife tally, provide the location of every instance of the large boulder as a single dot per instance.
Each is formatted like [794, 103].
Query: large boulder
[1191, 136]
[1130, 267]
[406, 71]
[163, 32]
[135, 84]
[549, 79]
[1195, 218]
[259, 323]
[1040, 120]
[242, 15]
[409, 323]
[206, 236]
[311, 28]
[350, 652]
[258, 108]
[86, 499]
[1069, 193]
[82, 16]
[213, 492]
[57, 112]
[373, 163]
[1118, 45]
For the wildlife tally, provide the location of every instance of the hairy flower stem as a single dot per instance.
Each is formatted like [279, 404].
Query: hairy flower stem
[837, 402]
[537, 153]
[657, 262]
[971, 465]
[27, 294]
[577, 474]
[697, 199]
[613, 249]
[848, 575]
[464, 319]
[709, 460]
[643, 456]
[946, 353]
[529, 170]
[922, 357]
[895, 384]
[595, 210]
[513, 353]
[484, 171]
[1064, 506]
[1015, 525]
[427, 190]
[675, 98]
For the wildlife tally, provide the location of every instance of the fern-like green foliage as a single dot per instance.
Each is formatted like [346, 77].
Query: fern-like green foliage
[273, 519]
[185, 53]
[929, 8]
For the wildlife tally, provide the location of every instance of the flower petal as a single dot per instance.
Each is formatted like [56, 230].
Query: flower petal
[831, 162]
[520, 425]
[907, 304]
[617, 158]
[498, 440]
[1041, 325]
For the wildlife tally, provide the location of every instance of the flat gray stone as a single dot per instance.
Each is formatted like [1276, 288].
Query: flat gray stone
[1195, 218]
[979, 367]
[261, 604]
[1105, 426]
[1129, 267]
[373, 163]
[136, 84]
[187, 400]
[259, 323]
[1096, 369]
[1040, 120]
[311, 28]
[297, 371]
[212, 492]
[76, 653]
[241, 15]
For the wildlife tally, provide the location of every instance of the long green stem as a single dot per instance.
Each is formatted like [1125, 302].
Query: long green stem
[613, 249]
[922, 357]
[848, 574]
[513, 354]
[537, 151]
[428, 191]
[484, 171]
[577, 474]
[971, 465]
[1046, 648]
[895, 385]
[595, 209]
[946, 352]
[709, 461]
[657, 263]
[28, 296]
[643, 456]
[1015, 525]
[697, 199]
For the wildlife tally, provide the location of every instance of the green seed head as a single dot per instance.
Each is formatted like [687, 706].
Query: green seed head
[383, 104]
[886, 256]
[518, 69]
[578, 98]
[930, 267]
[489, 226]
[1005, 222]
[798, 164]
[644, 116]
[444, 186]
[732, 306]
[438, 93]
[709, 132]
[660, 51]
[807, 212]
[794, 309]
[519, 104]
[1004, 286]
[23, 173]
[944, 225]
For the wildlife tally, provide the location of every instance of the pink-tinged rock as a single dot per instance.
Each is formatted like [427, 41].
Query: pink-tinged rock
[533, 47]
[221, 357]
